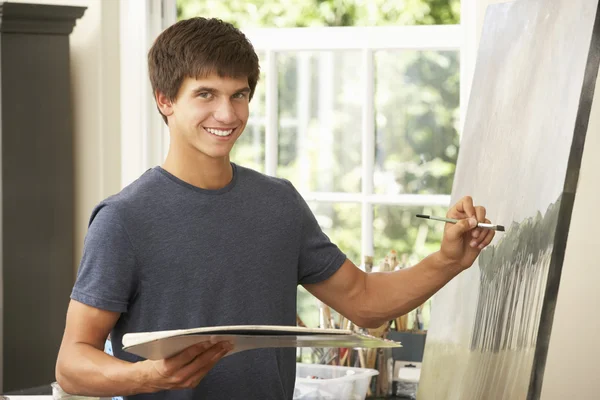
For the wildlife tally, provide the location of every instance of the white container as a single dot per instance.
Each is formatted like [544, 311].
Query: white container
[331, 382]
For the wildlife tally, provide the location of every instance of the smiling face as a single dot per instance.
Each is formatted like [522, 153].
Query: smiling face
[208, 115]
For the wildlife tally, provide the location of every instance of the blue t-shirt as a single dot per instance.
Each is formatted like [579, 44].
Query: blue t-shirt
[169, 255]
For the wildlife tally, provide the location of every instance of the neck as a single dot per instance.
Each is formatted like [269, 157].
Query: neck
[199, 170]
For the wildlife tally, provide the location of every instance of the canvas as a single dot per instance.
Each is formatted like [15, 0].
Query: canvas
[520, 155]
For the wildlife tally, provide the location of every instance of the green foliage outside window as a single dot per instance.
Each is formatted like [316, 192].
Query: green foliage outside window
[310, 13]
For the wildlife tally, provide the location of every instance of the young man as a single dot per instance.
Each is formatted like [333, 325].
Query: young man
[200, 241]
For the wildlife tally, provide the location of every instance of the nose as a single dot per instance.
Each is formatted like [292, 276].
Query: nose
[225, 113]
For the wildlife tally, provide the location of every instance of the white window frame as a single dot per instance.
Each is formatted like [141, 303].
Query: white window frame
[145, 138]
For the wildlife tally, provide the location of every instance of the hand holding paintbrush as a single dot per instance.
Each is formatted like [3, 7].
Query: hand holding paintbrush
[466, 233]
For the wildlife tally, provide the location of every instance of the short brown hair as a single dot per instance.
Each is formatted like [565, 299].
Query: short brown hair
[196, 48]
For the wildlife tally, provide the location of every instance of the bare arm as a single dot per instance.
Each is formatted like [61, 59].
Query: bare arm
[369, 300]
[83, 368]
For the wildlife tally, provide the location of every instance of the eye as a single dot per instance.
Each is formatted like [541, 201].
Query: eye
[205, 95]
[240, 95]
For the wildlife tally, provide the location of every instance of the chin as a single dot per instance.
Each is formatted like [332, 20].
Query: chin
[216, 154]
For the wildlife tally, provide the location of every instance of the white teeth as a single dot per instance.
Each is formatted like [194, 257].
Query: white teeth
[219, 132]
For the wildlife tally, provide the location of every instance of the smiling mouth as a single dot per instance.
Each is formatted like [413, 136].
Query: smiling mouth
[219, 132]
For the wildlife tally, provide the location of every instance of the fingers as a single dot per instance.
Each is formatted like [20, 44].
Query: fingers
[456, 231]
[478, 233]
[198, 368]
[488, 236]
[181, 371]
[205, 361]
[187, 355]
[485, 237]
[464, 208]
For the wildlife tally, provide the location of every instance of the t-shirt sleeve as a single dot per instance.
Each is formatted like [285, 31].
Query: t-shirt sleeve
[319, 258]
[106, 278]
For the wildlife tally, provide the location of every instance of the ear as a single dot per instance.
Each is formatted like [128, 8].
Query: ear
[163, 103]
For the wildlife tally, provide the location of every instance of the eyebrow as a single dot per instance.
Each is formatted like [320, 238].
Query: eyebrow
[213, 90]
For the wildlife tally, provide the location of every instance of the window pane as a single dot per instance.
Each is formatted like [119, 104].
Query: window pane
[417, 112]
[320, 120]
[249, 150]
[341, 222]
[397, 228]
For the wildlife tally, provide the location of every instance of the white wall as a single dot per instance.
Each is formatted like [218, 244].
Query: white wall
[96, 107]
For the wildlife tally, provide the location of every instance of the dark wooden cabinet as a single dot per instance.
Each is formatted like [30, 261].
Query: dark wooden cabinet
[37, 188]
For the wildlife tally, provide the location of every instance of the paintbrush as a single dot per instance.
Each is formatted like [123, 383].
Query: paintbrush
[499, 228]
